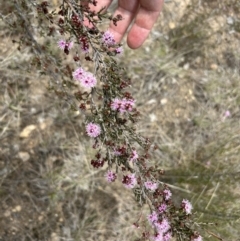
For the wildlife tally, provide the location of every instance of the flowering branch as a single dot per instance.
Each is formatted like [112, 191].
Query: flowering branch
[108, 107]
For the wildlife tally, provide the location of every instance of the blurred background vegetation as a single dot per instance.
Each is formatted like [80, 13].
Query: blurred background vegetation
[186, 80]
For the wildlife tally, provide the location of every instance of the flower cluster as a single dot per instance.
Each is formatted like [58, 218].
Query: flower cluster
[129, 181]
[162, 237]
[162, 208]
[119, 50]
[150, 185]
[167, 194]
[133, 156]
[87, 79]
[108, 39]
[124, 105]
[110, 176]
[187, 206]
[162, 225]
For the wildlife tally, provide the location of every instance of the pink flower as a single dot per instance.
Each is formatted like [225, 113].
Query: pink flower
[88, 80]
[152, 186]
[93, 130]
[167, 194]
[119, 50]
[116, 104]
[187, 206]
[85, 48]
[62, 44]
[110, 176]
[129, 181]
[162, 208]
[152, 218]
[78, 74]
[69, 45]
[162, 226]
[108, 39]
[199, 238]
[227, 114]
[120, 151]
[167, 236]
[123, 105]
[127, 104]
[162, 237]
[158, 237]
[133, 156]
[117, 152]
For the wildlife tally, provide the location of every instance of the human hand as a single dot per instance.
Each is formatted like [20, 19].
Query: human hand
[144, 13]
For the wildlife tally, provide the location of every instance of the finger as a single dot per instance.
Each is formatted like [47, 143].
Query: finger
[146, 17]
[128, 9]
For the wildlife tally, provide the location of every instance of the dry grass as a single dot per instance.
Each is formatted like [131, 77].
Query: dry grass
[185, 77]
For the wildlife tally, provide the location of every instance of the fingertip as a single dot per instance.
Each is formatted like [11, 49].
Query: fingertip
[133, 44]
[136, 37]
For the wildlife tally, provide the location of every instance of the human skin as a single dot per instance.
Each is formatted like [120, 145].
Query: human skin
[142, 13]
